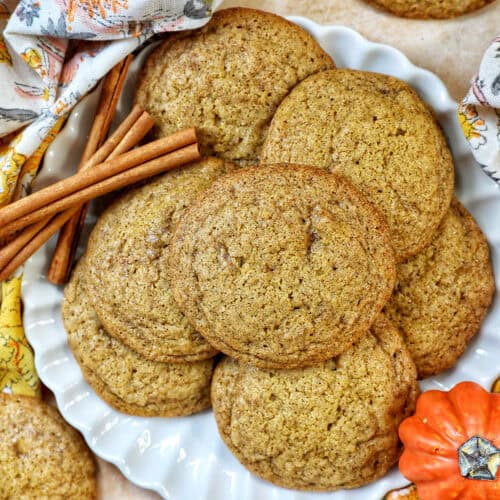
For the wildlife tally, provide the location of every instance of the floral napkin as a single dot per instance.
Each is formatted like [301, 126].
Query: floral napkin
[479, 112]
[52, 52]
[17, 371]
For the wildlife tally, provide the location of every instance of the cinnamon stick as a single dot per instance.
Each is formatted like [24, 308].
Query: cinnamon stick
[125, 137]
[36, 242]
[135, 134]
[108, 184]
[114, 139]
[69, 235]
[109, 83]
[11, 249]
[87, 177]
[167, 162]
[116, 92]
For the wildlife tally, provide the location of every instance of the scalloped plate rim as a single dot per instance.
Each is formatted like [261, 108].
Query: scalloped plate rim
[36, 315]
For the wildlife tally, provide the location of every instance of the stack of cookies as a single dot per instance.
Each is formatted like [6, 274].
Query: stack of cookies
[136, 348]
[317, 246]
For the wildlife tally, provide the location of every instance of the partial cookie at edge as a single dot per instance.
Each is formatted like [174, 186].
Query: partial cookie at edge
[431, 9]
[41, 456]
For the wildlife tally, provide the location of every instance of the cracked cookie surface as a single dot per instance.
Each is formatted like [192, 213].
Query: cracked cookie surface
[325, 427]
[126, 380]
[227, 79]
[127, 280]
[281, 267]
[375, 130]
[442, 294]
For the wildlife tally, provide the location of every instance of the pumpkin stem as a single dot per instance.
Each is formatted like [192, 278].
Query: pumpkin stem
[479, 458]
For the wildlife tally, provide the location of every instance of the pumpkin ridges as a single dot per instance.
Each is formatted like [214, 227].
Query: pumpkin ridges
[493, 432]
[490, 489]
[425, 439]
[449, 488]
[419, 466]
[474, 417]
[474, 412]
[477, 490]
[436, 410]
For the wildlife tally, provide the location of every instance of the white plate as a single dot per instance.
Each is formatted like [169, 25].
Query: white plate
[184, 457]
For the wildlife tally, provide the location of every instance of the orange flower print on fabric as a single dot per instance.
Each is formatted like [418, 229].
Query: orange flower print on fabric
[472, 125]
[17, 367]
[4, 53]
[32, 92]
[11, 163]
[46, 59]
[84, 51]
[32, 58]
[94, 8]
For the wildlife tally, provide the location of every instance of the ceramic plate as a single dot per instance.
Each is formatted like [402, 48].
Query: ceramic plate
[184, 457]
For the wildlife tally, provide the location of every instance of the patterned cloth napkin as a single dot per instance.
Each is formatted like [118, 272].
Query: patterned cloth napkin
[479, 113]
[54, 51]
[17, 370]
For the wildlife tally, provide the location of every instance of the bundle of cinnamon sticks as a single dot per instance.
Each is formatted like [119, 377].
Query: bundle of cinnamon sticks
[105, 166]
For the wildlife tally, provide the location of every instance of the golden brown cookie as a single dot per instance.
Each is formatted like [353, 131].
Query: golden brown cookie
[41, 456]
[126, 380]
[431, 9]
[376, 131]
[320, 428]
[127, 279]
[282, 267]
[443, 293]
[227, 79]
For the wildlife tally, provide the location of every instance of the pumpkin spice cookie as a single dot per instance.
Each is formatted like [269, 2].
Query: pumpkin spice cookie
[227, 79]
[321, 428]
[41, 456]
[282, 267]
[431, 9]
[375, 130]
[126, 380]
[128, 283]
[443, 293]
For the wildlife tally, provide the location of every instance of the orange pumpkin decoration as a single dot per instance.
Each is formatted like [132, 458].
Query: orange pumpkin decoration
[451, 444]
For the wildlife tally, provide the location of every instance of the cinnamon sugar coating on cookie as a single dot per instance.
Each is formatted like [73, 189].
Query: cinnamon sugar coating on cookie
[375, 130]
[227, 79]
[321, 428]
[282, 267]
